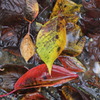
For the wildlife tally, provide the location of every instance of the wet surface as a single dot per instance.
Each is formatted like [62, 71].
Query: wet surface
[13, 28]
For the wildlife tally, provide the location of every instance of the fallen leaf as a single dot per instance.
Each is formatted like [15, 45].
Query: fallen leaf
[33, 96]
[9, 74]
[27, 48]
[51, 40]
[65, 8]
[71, 93]
[39, 77]
[72, 63]
[74, 48]
[31, 10]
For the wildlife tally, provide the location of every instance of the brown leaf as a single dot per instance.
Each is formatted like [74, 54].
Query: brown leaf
[27, 48]
[9, 74]
[31, 10]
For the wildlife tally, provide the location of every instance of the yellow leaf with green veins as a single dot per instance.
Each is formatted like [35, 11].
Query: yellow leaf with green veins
[51, 40]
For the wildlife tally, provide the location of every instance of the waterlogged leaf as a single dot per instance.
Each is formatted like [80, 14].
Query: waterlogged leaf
[51, 40]
[9, 74]
[33, 96]
[39, 77]
[71, 93]
[76, 40]
[74, 48]
[27, 48]
[72, 63]
[66, 8]
[31, 10]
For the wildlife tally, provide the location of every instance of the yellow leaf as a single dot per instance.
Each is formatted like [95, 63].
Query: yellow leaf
[31, 10]
[65, 8]
[27, 47]
[51, 40]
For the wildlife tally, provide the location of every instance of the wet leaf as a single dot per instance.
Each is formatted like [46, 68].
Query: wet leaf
[66, 8]
[71, 93]
[75, 41]
[72, 63]
[11, 12]
[31, 10]
[39, 77]
[34, 96]
[51, 40]
[27, 48]
[9, 74]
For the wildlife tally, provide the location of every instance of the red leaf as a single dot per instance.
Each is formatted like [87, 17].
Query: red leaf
[72, 64]
[39, 77]
[34, 96]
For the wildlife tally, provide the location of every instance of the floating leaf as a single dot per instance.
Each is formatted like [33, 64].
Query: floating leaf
[31, 10]
[27, 48]
[72, 63]
[66, 8]
[11, 73]
[51, 40]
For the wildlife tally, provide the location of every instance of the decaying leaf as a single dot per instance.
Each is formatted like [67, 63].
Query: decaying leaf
[27, 48]
[71, 93]
[76, 40]
[9, 74]
[39, 77]
[31, 10]
[66, 8]
[51, 40]
[74, 48]
[72, 63]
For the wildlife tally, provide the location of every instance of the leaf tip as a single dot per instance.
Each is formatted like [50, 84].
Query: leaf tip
[49, 68]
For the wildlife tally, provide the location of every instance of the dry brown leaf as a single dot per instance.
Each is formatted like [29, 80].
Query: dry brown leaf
[27, 48]
[31, 10]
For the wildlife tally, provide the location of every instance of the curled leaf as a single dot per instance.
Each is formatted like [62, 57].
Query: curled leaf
[27, 48]
[51, 40]
[31, 10]
[72, 63]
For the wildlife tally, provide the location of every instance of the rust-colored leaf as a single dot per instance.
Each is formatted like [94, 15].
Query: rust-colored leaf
[27, 48]
[72, 63]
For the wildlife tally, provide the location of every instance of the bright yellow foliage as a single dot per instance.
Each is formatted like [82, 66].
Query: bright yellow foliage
[51, 40]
